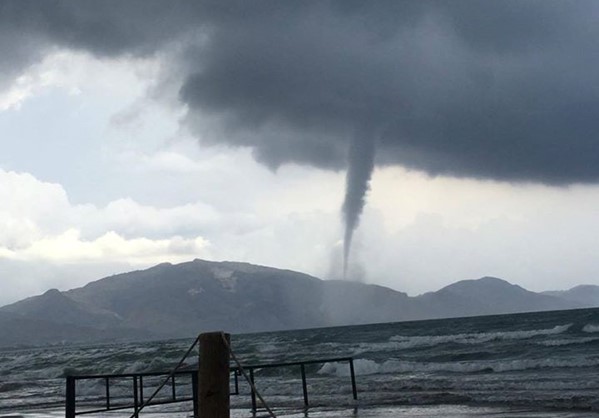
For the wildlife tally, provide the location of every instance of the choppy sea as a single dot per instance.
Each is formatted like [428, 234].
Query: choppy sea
[528, 365]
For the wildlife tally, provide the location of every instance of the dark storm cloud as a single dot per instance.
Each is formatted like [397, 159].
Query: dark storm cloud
[505, 90]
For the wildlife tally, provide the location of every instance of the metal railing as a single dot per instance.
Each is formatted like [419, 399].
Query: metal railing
[137, 389]
[190, 376]
[302, 366]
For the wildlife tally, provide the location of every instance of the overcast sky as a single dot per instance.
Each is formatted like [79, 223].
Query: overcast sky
[448, 140]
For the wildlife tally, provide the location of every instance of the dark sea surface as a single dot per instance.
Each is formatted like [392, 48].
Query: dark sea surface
[533, 365]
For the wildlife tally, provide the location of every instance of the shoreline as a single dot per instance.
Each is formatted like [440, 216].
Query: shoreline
[370, 411]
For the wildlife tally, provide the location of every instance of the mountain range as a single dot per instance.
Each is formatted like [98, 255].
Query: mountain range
[170, 301]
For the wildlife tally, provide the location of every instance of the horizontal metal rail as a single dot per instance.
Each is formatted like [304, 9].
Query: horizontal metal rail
[130, 375]
[138, 386]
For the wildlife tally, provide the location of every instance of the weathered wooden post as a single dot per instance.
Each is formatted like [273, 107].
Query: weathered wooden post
[70, 398]
[194, 388]
[213, 375]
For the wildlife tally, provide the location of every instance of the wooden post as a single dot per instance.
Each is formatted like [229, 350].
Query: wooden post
[194, 388]
[70, 398]
[213, 376]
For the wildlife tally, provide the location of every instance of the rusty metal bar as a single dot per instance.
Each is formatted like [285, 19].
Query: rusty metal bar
[141, 390]
[236, 382]
[135, 396]
[107, 383]
[253, 392]
[173, 388]
[304, 385]
[353, 379]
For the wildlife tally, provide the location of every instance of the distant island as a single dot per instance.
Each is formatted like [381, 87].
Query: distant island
[181, 300]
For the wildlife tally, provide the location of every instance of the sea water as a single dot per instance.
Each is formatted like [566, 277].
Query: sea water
[527, 365]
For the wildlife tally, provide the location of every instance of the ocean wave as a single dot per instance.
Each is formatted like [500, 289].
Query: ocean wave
[557, 343]
[362, 367]
[367, 367]
[12, 386]
[590, 328]
[268, 348]
[141, 366]
[394, 366]
[405, 342]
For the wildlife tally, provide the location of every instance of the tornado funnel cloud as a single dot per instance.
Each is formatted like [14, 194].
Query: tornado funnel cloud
[357, 182]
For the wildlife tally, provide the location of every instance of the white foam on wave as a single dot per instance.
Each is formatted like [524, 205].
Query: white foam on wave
[368, 367]
[590, 328]
[395, 366]
[557, 343]
[405, 342]
[141, 366]
[362, 367]
[268, 348]
[145, 350]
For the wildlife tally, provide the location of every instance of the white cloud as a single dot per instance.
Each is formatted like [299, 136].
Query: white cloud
[111, 247]
[40, 224]
[28, 208]
[133, 219]
[80, 73]
[171, 161]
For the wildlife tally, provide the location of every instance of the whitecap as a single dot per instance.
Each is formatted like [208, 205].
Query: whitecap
[369, 367]
[362, 367]
[590, 328]
[405, 342]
